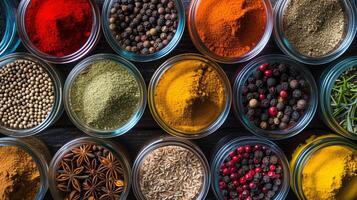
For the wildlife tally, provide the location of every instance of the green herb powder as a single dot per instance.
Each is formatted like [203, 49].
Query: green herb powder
[105, 95]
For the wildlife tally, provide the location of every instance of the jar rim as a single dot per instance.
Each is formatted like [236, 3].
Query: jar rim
[303, 122]
[38, 157]
[328, 79]
[90, 44]
[127, 65]
[144, 58]
[200, 45]
[288, 49]
[57, 107]
[231, 142]
[165, 141]
[184, 134]
[9, 41]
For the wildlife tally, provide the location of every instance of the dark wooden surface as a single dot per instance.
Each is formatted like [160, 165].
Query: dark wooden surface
[64, 131]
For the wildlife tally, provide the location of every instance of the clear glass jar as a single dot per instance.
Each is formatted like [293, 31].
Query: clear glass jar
[302, 155]
[231, 143]
[118, 151]
[288, 49]
[327, 81]
[83, 51]
[57, 107]
[9, 41]
[205, 51]
[238, 106]
[137, 57]
[94, 131]
[170, 141]
[40, 155]
[152, 89]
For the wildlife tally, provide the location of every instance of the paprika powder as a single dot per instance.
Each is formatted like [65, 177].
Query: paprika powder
[231, 28]
[59, 27]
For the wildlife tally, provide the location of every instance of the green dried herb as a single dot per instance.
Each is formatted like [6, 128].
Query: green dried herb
[105, 95]
[344, 100]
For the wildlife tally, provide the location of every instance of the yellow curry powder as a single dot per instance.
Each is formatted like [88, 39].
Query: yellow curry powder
[331, 174]
[190, 96]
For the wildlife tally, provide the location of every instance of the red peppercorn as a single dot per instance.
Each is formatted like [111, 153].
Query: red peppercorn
[263, 67]
[230, 164]
[236, 183]
[226, 171]
[233, 169]
[239, 189]
[248, 177]
[223, 166]
[271, 174]
[233, 176]
[257, 147]
[258, 170]
[245, 187]
[235, 159]
[256, 161]
[247, 148]
[222, 185]
[284, 94]
[249, 198]
[252, 185]
[277, 176]
[240, 150]
[251, 172]
[264, 190]
[262, 97]
[273, 111]
[231, 154]
[268, 73]
[246, 155]
[272, 167]
[242, 180]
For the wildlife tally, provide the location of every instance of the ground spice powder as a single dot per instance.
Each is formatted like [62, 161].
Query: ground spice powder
[19, 175]
[231, 28]
[331, 174]
[314, 28]
[190, 96]
[59, 27]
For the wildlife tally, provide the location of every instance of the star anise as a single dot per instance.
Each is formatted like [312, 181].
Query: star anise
[111, 166]
[68, 176]
[92, 187]
[111, 192]
[74, 195]
[92, 169]
[83, 153]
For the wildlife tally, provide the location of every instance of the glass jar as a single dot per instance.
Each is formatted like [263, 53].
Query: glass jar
[137, 57]
[9, 41]
[231, 143]
[94, 131]
[170, 141]
[57, 108]
[83, 51]
[304, 152]
[288, 49]
[327, 81]
[40, 155]
[238, 106]
[118, 151]
[200, 45]
[152, 90]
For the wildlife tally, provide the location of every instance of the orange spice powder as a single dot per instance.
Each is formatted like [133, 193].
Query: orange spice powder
[231, 28]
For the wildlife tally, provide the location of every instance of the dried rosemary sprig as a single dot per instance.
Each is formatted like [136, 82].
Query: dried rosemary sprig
[344, 100]
[90, 172]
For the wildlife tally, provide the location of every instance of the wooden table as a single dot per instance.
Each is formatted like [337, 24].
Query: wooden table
[64, 131]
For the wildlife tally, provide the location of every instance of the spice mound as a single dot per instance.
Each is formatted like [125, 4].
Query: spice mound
[59, 27]
[344, 100]
[275, 96]
[171, 172]
[105, 95]
[315, 28]
[143, 27]
[19, 174]
[92, 172]
[331, 174]
[231, 28]
[26, 94]
[190, 96]
[251, 172]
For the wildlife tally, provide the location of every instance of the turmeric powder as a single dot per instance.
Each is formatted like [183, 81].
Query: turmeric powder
[190, 96]
[231, 28]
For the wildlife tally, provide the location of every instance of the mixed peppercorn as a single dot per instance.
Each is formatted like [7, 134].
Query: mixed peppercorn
[275, 96]
[251, 172]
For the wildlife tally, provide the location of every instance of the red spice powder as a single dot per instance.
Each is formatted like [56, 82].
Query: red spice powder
[59, 27]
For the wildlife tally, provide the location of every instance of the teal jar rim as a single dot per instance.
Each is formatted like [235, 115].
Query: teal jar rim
[9, 41]
[306, 153]
[232, 142]
[118, 151]
[155, 80]
[288, 49]
[327, 81]
[57, 108]
[94, 131]
[238, 107]
[39, 155]
[137, 57]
